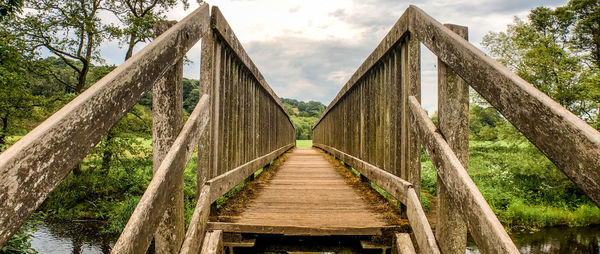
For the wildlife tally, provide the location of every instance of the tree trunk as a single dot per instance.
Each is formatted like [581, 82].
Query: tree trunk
[81, 79]
[130, 47]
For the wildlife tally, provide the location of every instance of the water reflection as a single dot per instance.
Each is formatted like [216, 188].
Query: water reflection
[85, 238]
[71, 237]
[561, 240]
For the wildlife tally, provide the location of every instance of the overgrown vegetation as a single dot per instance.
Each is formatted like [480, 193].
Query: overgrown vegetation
[304, 115]
[556, 50]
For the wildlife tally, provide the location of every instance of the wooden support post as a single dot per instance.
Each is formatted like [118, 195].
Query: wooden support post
[207, 76]
[453, 114]
[411, 86]
[213, 243]
[167, 120]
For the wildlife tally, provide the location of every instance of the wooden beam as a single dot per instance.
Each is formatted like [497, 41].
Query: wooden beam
[453, 115]
[297, 231]
[148, 213]
[37, 163]
[411, 86]
[403, 244]
[392, 184]
[213, 243]
[419, 224]
[485, 228]
[197, 228]
[568, 141]
[225, 182]
[167, 118]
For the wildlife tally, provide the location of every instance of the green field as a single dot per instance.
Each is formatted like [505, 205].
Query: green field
[304, 143]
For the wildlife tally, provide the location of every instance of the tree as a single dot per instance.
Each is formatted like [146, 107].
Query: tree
[16, 99]
[546, 51]
[8, 7]
[139, 17]
[71, 30]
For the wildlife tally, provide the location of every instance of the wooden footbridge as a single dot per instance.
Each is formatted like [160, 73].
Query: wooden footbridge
[375, 125]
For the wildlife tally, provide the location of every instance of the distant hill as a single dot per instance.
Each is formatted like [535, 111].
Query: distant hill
[304, 115]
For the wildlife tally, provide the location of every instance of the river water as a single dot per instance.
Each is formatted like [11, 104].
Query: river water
[85, 238]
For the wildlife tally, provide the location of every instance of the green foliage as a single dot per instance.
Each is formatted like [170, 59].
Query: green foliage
[20, 242]
[304, 115]
[558, 52]
[9, 8]
[138, 18]
[120, 213]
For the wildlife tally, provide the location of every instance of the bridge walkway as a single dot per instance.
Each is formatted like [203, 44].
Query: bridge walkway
[307, 197]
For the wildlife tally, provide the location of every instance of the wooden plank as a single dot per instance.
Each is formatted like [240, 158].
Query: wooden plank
[167, 120]
[38, 162]
[411, 86]
[419, 224]
[328, 204]
[197, 228]
[569, 142]
[403, 244]
[148, 213]
[392, 184]
[481, 221]
[208, 69]
[297, 230]
[453, 115]
[213, 243]
[225, 182]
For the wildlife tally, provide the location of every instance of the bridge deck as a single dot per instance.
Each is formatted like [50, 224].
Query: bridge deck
[307, 197]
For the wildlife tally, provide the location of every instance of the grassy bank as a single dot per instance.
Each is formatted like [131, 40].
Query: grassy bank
[97, 194]
[304, 143]
[522, 186]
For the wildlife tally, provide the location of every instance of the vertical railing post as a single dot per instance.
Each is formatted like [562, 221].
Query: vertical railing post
[411, 86]
[453, 115]
[167, 121]
[207, 79]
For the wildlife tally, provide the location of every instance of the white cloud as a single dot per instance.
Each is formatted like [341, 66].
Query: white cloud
[308, 49]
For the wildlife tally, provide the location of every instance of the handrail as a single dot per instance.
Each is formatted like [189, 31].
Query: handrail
[486, 229]
[568, 141]
[249, 120]
[37, 163]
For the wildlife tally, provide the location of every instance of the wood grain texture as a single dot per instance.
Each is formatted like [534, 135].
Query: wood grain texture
[482, 223]
[307, 196]
[213, 243]
[225, 182]
[453, 115]
[419, 224]
[197, 228]
[38, 162]
[167, 120]
[392, 184]
[403, 244]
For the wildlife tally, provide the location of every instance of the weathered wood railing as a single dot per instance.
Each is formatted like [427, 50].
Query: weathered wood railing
[238, 125]
[376, 125]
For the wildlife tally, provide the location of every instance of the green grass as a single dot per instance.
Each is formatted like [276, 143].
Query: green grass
[523, 188]
[304, 143]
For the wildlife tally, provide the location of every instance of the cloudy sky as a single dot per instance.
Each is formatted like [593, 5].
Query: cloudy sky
[308, 49]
